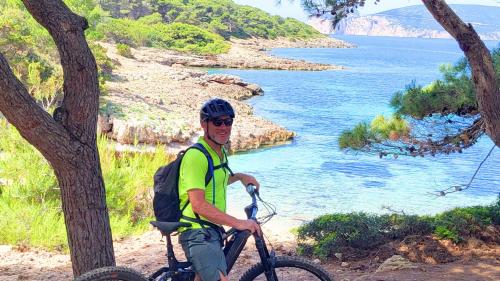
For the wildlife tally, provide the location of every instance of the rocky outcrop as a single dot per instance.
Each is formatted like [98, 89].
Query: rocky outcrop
[320, 42]
[245, 54]
[151, 103]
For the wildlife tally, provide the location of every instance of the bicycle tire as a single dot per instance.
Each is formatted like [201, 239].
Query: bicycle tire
[112, 273]
[289, 269]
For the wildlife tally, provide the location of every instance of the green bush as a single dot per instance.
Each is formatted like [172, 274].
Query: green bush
[124, 50]
[329, 234]
[177, 36]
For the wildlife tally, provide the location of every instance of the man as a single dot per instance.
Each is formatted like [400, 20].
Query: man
[202, 242]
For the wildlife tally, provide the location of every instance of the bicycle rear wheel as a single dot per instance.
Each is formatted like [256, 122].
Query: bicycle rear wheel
[112, 273]
[289, 269]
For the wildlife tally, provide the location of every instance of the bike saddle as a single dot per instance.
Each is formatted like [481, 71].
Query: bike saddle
[169, 227]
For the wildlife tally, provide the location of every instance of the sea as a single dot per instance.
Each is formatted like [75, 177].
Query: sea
[310, 176]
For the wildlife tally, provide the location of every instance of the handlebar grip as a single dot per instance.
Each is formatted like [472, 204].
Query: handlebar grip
[251, 189]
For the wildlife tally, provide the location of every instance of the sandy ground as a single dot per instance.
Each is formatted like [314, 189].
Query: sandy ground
[145, 253]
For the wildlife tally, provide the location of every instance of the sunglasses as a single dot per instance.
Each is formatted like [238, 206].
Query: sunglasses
[218, 122]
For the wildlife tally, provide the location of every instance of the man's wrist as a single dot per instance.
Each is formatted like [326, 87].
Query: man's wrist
[238, 176]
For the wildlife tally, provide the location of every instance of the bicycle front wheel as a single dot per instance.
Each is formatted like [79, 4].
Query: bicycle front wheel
[289, 269]
[112, 273]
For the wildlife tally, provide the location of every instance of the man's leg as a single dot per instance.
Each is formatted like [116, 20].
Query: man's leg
[223, 277]
[205, 254]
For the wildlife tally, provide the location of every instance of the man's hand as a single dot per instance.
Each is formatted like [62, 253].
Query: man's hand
[248, 179]
[250, 225]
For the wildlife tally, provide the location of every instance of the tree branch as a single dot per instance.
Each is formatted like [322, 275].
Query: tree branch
[21, 110]
[81, 88]
[483, 74]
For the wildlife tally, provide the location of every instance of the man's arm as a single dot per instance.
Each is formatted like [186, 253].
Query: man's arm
[244, 178]
[203, 208]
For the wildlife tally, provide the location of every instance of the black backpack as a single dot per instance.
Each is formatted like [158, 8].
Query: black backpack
[166, 202]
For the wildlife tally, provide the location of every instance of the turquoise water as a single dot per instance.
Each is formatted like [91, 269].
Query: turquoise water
[310, 176]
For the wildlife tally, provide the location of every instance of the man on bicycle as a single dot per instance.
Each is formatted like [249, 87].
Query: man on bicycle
[204, 206]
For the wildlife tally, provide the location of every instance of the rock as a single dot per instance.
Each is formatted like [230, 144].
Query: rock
[316, 261]
[225, 79]
[338, 256]
[344, 264]
[255, 89]
[103, 124]
[396, 262]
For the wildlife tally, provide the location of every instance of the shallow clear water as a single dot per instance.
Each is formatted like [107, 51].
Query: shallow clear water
[310, 176]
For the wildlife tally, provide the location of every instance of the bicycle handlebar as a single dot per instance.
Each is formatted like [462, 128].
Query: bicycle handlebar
[251, 210]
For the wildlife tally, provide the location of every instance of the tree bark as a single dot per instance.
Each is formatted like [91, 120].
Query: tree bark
[67, 141]
[479, 57]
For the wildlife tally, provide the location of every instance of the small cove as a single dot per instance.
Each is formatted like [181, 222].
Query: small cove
[310, 176]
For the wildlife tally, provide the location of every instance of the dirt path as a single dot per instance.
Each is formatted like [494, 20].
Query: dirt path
[145, 253]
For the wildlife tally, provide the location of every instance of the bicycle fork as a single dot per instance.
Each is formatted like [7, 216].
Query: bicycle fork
[268, 259]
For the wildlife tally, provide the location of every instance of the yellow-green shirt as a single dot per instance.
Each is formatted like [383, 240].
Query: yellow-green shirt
[194, 167]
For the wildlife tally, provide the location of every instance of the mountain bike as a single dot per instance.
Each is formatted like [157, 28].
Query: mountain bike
[270, 267]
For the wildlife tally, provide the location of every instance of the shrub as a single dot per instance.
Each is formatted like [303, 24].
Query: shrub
[30, 193]
[328, 234]
[124, 50]
[177, 36]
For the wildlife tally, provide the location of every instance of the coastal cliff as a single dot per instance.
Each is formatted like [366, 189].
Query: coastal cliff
[414, 21]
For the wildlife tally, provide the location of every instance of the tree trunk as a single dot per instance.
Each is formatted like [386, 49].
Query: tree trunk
[479, 57]
[67, 141]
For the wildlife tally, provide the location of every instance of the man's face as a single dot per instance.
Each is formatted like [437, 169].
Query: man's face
[219, 128]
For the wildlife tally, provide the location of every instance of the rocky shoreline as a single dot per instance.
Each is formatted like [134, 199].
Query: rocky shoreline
[154, 97]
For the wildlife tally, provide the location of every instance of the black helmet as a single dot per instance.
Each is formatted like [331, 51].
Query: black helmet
[214, 108]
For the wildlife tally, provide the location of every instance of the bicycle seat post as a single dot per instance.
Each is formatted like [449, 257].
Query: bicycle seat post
[172, 261]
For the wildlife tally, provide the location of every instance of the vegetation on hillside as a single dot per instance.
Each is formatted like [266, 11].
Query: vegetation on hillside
[334, 233]
[449, 104]
[223, 17]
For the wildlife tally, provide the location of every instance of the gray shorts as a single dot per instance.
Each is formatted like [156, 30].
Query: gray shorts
[205, 253]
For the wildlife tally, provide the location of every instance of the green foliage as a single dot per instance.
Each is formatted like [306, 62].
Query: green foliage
[393, 128]
[466, 222]
[329, 234]
[124, 50]
[30, 192]
[32, 53]
[187, 38]
[227, 19]
[177, 36]
[356, 138]
[453, 94]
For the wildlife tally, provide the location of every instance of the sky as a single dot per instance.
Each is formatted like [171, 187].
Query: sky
[287, 9]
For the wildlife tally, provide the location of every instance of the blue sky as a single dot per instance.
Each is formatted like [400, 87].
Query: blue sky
[294, 10]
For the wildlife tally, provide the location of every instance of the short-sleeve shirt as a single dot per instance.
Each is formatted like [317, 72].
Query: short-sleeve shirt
[194, 167]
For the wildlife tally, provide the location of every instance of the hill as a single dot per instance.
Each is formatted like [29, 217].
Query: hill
[223, 17]
[416, 21]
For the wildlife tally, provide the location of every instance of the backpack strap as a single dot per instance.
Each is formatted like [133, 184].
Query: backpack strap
[210, 173]
[225, 164]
